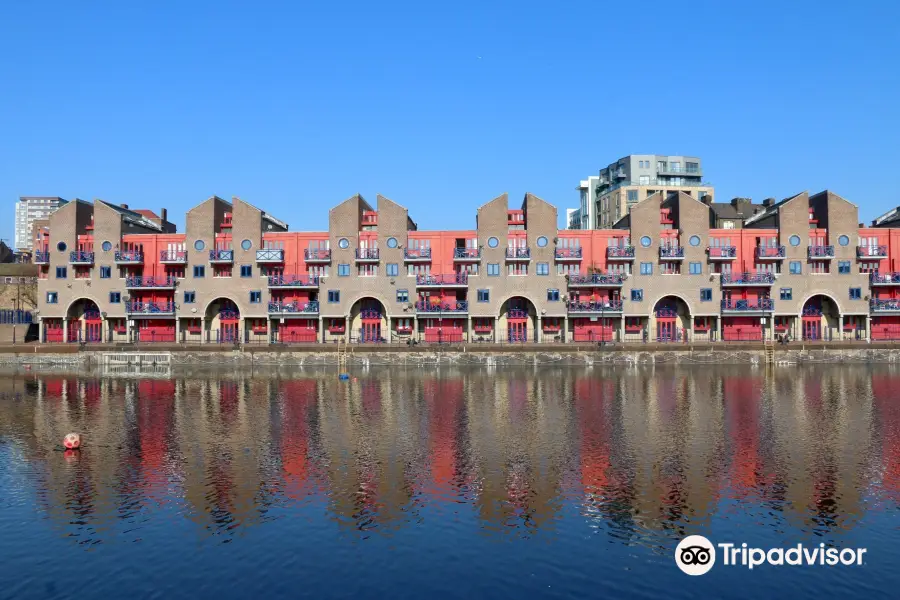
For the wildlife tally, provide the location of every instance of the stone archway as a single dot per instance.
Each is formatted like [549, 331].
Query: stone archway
[517, 322]
[670, 320]
[368, 321]
[223, 321]
[820, 318]
[85, 321]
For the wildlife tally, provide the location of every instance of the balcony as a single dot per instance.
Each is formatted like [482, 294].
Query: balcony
[671, 253]
[747, 279]
[293, 282]
[821, 252]
[597, 280]
[417, 254]
[769, 252]
[370, 314]
[722, 253]
[620, 253]
[566, 254]
[221, 256]
[293, 308]
[518, 254]
[129, 257]
[883, 279]
[270, 255]
[80, 257]
[173, 257]
[594, 308]
[756, 305]
[455, 307]
[317, 255]
[682, 171]
[439, 281]
[367, 255]
[517, 313]
[137, 309]
[885, 305]
[865, 252]
[41, 257]
[467, 254]
[149, 283]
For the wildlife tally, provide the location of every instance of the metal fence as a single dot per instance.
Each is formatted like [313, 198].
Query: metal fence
[15, 317]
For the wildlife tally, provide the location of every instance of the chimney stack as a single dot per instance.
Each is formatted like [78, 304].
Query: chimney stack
[862, 225]
[163, 215]
[768, 202]
[125, 206]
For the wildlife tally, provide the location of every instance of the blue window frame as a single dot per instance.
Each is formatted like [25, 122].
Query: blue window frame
[199, 271]
[705, 294]
[52, 297]
[60, 272]
[403, 296]
[115, 297]
[334, 296]
[646, 268]
[255, 297]
[552, 295]
[844, 267]
[493, 269]
[392, 269]
[543, 268]
[190, 297]
[796, 267]
[696, 268]
[484, 295]
[344, 270]
[855, 293]
[786, 294]
[637, 295]
[105, 272]
[246, 270]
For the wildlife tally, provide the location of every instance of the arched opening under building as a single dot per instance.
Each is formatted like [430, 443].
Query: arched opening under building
[820, 319]
[670, 320]
[85, 322]
[517, 319]
[368, 321]
[223, 321]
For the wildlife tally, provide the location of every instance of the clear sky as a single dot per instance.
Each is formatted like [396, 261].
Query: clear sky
[440, 106]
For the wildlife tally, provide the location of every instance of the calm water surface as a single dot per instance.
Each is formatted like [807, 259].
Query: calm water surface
[530, 483]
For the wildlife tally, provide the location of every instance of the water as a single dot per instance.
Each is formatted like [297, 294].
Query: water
[530, 483]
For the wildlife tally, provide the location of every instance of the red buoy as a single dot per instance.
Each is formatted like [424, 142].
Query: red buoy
[72, 441]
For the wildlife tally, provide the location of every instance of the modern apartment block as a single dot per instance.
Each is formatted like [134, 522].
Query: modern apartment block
[28, 210]
[665, 272]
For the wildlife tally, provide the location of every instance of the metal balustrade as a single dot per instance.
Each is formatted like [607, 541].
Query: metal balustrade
[596, 279]
[129, 256]
[748, 305]
[81, 257]
[884, 304]
[221, 255]
[459, 306]
[671, 252]
[443, 280]
[614, 252]
[871, 251]
[293, 281]
[42, 256]
[137, 281]
[884, 279]
[417, 253]
[748, 278]
[466, 253]
[276, 306]
[317, 254]
[370, 313]
[518, 253]
[595, 306]
[270, 255]
[821, 252]
[517, 313]
[137, 307]
[367, 254]
[766, 252]
[565, 253]
[173, 256]
[726, 252]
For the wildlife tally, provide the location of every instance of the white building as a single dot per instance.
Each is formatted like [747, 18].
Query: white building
[28, 210]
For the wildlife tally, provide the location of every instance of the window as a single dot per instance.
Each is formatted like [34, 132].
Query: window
[344, 270]
[246, 245]
[403, 296]
[493, 242]
[106, 246]
[105, 272]
[541, 242]
[696, 268]
[643, 180]
[705, 294]
[199, 245]
[199, 271]
[695, 240]
[844, 267]
[246, 270]
[334, 296]
[794, 240]
[646, 241]
[52, 297]
[190, 297]
[543, 268]
[255, 297]
[796, 267]
[843, 240]
[392, 242]
[646, 268]
[61, 246]
[552, 295]
[392, 269]
[517, 269]
[493, 269]
[344, 243]
[786, 294]
[637, 295]
[727, 224]
[632, 196]
[855, 293]
[60, 272]
[367, 270]
[484, 295]
[115, 297]
[418, 269]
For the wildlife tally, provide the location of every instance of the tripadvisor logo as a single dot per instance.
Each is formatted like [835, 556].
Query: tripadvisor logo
[696, 555]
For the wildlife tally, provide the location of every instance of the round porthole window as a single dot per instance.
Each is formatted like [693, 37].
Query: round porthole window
[61, 246]
[541, 242]
[199, 245]
[646, 241]
[794, 240]
[392, 242]
[344, 243]
[106, 246]
[246, 244]
[695, 240]
[493, 242]
[843, 240]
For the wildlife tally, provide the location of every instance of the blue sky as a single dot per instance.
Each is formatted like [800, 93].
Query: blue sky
[440, 106]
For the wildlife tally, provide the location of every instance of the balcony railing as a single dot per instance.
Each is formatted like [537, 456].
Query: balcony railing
[42, 256]
[769, 252]
[517, 313]
[92, 315]
[417, 253]
[595, 307]
[459, 306]
[723, 252]
[317, 254]
[748, 278]
[80, 257]
[367, 254]
[614, 252]
[596, 279]
[293, 281]
[149, 282]
[370, 313]
[173, 256]
[671, 252]
[226, 256]
[270, 255]
[871, 251]
[569, 253]
[669, 170]
[293, 307]
[518, 253]
[443, 280]
[752, 305]
[884, 279]
[884, 304]
[821, 252]
[129, 256]
[149, 308]
[467, 253]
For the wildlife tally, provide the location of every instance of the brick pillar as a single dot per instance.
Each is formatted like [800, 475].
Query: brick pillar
[321, 336]
[537, 329]
[622, 329]
[65, 329]
[868, 328]
[841, 327]
[177, 329]
[202, 329]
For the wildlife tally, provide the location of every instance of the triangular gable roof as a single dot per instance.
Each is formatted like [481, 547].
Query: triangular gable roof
[132, 217]
[770, 210]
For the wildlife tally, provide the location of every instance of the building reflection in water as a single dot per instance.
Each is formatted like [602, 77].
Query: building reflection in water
[634, 453]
